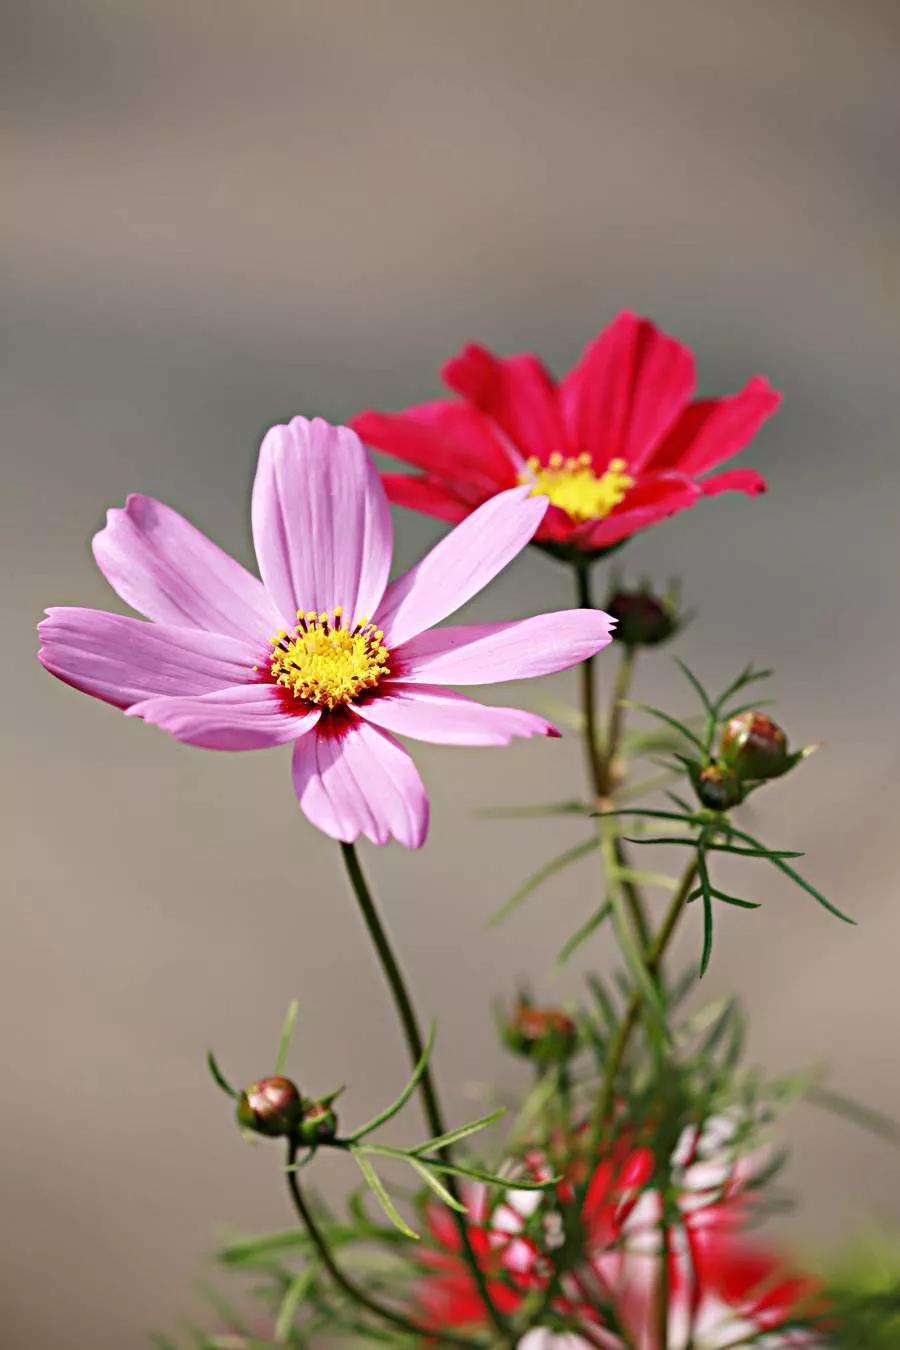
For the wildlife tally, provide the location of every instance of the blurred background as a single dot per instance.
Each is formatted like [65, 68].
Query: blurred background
[220, 213]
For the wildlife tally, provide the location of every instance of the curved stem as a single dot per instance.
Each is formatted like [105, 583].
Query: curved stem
[653, 958]
[416, 1046]
[343, 1281]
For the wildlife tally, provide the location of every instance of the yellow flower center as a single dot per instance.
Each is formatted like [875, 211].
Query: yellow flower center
[572, 485]
[327, 663]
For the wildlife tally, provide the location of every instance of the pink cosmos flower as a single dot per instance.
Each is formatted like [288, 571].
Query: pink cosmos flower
[322, 652]
[617, 445]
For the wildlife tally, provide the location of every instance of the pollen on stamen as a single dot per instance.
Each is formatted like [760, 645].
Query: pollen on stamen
[573, 486]
[327, 663]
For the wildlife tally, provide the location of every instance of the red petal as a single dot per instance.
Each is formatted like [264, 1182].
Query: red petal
[734, 480]
[626, 391]
[652, 500]
[517, 393]
[443, 437]
[749, 1277]
[714, 429]
[428, 495]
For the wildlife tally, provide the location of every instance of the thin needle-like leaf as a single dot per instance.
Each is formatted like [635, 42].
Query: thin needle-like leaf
[642, 878]
[557, 864]
[584, 932]
[219, 1076]
[759, 851]
[775, 859]
[864, 1116]
[569, 808]
[680, 802]
[660, 839]
[724, 896]
[458, 1169]
[707, 907]
[650, 813]
[461, 1132]
[696, 685]
[747, 676]
[287, 1034]
[672, 722]
[438, 1187]
[298, 1289]
[399, 1102]
[377, 1187]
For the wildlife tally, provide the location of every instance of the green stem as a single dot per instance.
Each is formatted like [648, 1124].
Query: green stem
[662, 1292]
[601, 758]
[653, 959]
[624, 676]
[343, 1281]
[596, 758]
[416, 1046]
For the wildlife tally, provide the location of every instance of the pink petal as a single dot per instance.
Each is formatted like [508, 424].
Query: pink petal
[321, 521]
[489, 653]
[734, 480]
[517, 393]
[714, 429]
[446, 438]
[352, 779]
[650, 502]
[166, 568]
[123, 660]
[460, 565]
[427, 495]
[245, 717]
[429, 713]
[626, 391]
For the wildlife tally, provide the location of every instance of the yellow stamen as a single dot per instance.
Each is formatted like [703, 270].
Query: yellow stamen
[325, 663]
[572, 485]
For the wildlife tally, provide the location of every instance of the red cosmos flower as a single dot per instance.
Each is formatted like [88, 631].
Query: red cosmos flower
[617, 445]
[720, 1286]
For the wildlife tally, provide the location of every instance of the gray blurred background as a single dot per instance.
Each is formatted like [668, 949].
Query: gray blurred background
[220, 213]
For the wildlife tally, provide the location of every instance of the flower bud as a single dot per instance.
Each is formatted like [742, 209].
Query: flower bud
[544, 1034]
[755, 747]
[319, 1124]
[643, 619]
[272, 1107]
[719, 787]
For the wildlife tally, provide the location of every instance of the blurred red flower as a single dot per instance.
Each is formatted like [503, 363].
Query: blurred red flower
[721, 1287]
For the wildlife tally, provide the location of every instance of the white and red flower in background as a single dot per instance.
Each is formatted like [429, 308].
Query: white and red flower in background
[724, 1289]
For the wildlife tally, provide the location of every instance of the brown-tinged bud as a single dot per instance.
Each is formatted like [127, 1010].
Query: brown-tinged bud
[719, 787]
[319, 1124]
[755, 747]
[272, 1107]
[545, 1034]
[643, 619]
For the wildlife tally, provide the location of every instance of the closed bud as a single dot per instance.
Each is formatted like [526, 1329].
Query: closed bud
[643, 619]
[544, 1034]
[719, 787]
[319, 1124]
[755, 747]
[272, 1107]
